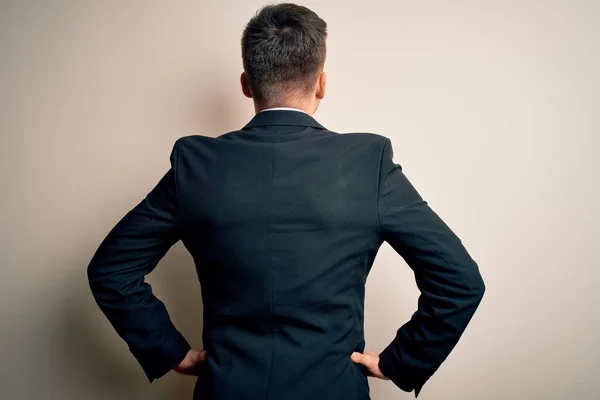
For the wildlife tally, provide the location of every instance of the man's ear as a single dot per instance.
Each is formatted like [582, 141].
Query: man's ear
[245, 87]
[321, 85]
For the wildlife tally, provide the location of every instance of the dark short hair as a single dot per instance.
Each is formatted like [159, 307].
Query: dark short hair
[283, 50]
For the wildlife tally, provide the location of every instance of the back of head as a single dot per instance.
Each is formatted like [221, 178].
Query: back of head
[283, 52]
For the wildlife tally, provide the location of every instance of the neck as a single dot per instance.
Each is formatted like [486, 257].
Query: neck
[310, 110]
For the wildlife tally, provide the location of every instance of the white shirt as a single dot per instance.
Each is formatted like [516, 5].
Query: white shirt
[283, 108]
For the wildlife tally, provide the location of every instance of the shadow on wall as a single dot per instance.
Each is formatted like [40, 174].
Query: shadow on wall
[95, 356]
[179, 288]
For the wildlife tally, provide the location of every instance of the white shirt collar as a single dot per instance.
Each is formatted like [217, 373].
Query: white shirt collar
[283, 108]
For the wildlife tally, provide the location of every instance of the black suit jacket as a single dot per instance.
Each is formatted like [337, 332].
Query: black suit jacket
[283, 219]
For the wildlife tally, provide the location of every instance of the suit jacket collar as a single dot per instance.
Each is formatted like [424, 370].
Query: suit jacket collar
[283, 118]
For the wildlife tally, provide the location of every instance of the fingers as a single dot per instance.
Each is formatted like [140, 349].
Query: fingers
[193, 362]
[356, 357]
[370, 360]
[365, 359]
[199, 355]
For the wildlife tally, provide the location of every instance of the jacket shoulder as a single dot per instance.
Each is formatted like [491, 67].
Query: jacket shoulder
[191, 139]
[373, 141]
[193, 142]
[365, 136]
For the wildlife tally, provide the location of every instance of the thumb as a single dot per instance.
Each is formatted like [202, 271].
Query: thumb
[199, 356]
[358, 358]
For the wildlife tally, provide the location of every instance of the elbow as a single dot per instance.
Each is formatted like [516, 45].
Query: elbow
[94, 276]
[93, 280]
[480, 287]
[479, 290]
[92, 272]
[477, 287]
[474, 285]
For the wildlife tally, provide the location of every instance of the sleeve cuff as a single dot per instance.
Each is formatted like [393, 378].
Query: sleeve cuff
[400, 376]
[157, 362]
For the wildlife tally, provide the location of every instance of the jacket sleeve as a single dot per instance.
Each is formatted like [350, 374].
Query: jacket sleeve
[116, 274]
[448, 278]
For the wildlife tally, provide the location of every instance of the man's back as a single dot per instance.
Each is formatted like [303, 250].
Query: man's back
[281, 219]
[284, 219]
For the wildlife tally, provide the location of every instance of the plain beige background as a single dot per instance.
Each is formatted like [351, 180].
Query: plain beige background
[493, 109]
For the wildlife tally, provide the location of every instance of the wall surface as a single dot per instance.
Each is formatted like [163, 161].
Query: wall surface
[493, 108]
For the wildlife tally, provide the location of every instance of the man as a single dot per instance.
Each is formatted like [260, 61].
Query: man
[283, 219]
